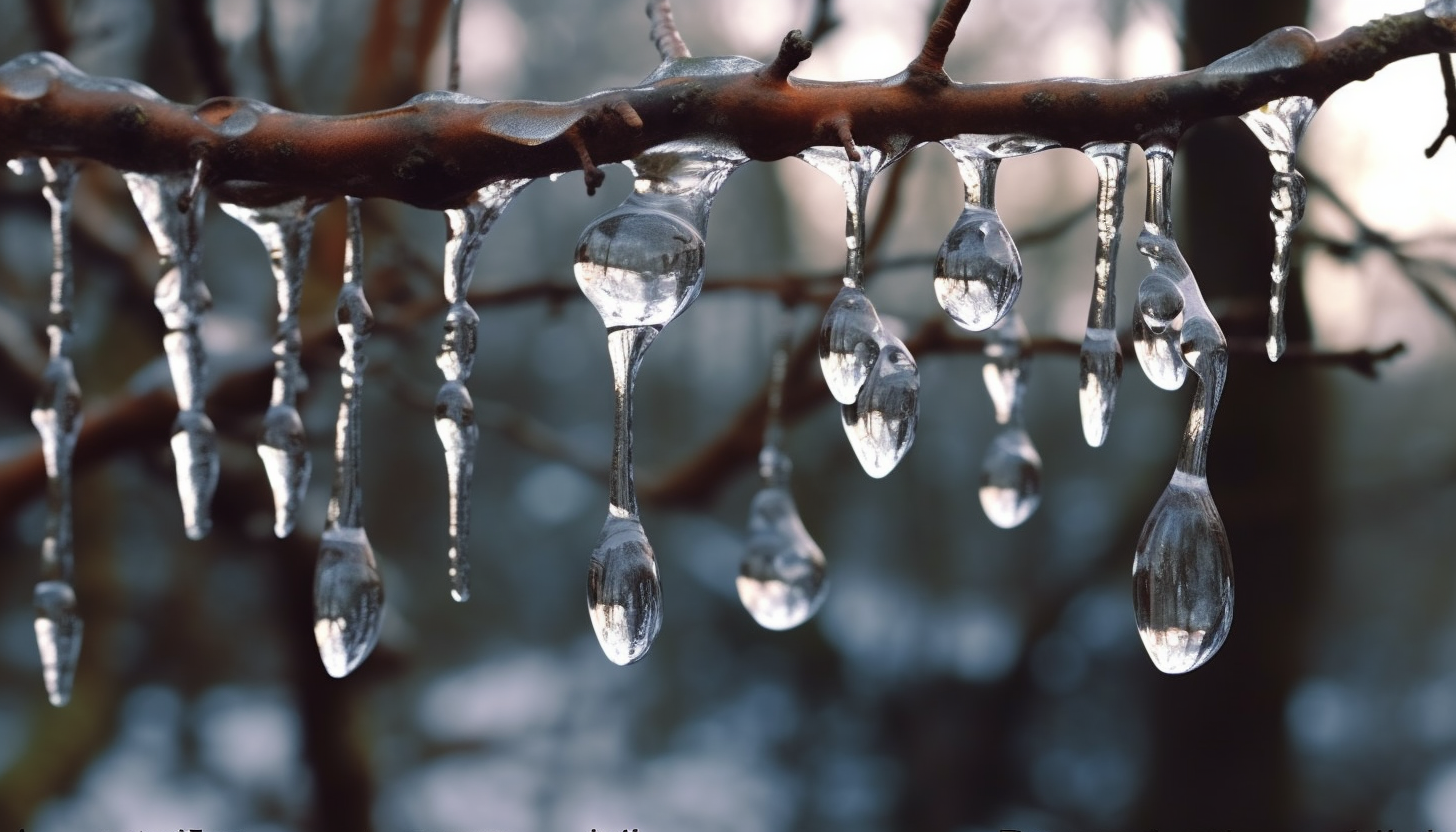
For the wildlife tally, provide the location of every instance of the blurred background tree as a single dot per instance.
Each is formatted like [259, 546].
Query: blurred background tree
[959, 677]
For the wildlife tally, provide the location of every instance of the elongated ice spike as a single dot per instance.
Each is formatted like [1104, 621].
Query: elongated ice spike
[1101, 359]
[978, 270]
[57, 417]
[641, 265]
[172, 205]
[287, 232]
[1279, 125]
[454, 409]
[348, 593]
[781, 581]
[1011, 471]
[1183, 572]
[1156, 345]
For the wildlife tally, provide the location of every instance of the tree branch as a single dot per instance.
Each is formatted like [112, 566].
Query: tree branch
[435, 153]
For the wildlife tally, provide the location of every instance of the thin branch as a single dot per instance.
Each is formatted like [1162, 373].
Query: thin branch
[437, 153]
[664, 33]
[1449, 79]
[930, 63]
[452, 34]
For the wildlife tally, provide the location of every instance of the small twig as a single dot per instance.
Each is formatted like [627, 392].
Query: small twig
[207, 53]
[930, 63]
[1449, 77]
[664, 33]
[452, 33]
[793, 50]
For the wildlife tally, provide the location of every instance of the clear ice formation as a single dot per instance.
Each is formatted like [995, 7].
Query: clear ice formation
[1441, 9]
[881, 422]
[1279, 125]
[1101, 359]
[851, 336]
[287, 232]
[348, 595]
[466, 228]
[1281, 49]
[1011, 471]
[782, 579]
[172, 207]
[1156, 341]
[978, 270]
[641, 265]
[57, 417]
[1183, 591]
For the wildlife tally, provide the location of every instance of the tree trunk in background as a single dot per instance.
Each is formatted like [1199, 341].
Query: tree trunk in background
[1221, 752]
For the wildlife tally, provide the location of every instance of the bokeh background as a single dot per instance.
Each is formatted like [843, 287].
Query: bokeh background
[959, 677]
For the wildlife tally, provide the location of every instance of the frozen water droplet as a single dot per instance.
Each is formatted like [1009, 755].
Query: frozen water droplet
[849, 343]
[1159, 301]
[232, 118]
[29, 76]
[640, 267]
[623, 593]
[456, 358]
[1441, 9]
[1279, 125]
[978, 270]
[284, 452]
[1010, 478]
[194, 447]
[1158, 354]
[1101, 358]
[348, 600]
[703, 67]
[1285, 48]
[881, 422]
[455, 422]
[58, 635]
[782, 580]
[1183, 592]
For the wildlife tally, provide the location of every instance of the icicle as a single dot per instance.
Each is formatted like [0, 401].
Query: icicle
[172, 207]
[454, 409]
[851, 336]
[348, 596]
[1183, 591]
[57, 417]
[881, 422]
[781, 582]
[1279, 125]
[287, 232]
[1101, 360]
[641, 265]
[1156, 341]
[1011, 471]
[978, 270]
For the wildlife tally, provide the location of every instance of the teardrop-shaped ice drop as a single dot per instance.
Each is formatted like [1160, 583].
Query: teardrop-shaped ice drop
[459, 434]
[58, 635]
[623, 594]
[456, 358]
[1010, 478]
[1100, 372]
[194, 447]
[1155, 333]
[849, 343]
[348, 600]
[284, 452]
[1160, 302]
[1182, 575]
[978, 270]
[881, 422]
[781, 582]
[639, 266]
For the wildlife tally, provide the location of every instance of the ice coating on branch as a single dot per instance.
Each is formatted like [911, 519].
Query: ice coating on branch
[57, 418]
[287, 232]
[232, 118]
[182, 298]
[1100, 369]
[781, 581]
[881, 422]
[978, 270]
[28, 77]
[1286, 48]
[348, 600]
[1156, 346]
[1441, 9]
[466, 228]
[709, 67]
[851, 336]
[1183, 570]
[1011, 471]
[641, 265]
[1279, 125]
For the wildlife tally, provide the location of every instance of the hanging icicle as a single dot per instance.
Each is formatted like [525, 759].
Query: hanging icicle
[287, 232]
[466, 228]
[348, 596]
[1011, 471]
[1156, 326]
[1183, 593]
[1279, 125]
[172, 205]
[57, 417]
[641, 265]
[1101, 358]
[782, 580]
